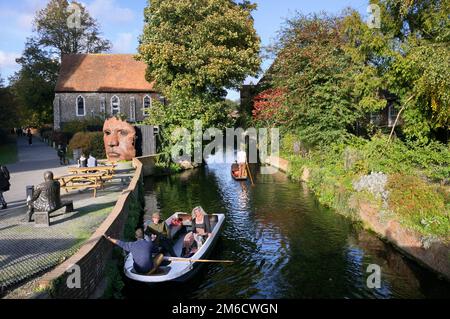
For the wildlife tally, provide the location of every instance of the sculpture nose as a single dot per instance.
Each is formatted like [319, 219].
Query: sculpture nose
[113, 140]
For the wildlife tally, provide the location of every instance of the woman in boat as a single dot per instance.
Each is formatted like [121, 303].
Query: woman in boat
[201, 227]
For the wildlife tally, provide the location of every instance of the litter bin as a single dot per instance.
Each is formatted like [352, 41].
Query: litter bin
[30, 191]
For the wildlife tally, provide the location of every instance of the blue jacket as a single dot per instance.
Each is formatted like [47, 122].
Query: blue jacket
[142, 254]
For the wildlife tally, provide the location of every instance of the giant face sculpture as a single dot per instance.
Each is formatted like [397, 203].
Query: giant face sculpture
[119, 138]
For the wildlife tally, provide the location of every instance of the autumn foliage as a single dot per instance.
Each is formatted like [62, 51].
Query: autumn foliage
[267, 104]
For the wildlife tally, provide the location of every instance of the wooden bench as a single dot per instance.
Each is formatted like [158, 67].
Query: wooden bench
[107, 170]
[82, 181]
[42, 219]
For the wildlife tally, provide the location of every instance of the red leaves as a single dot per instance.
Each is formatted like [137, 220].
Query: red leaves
[267, 104]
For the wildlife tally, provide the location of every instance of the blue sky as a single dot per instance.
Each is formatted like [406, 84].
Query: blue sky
[121, 22]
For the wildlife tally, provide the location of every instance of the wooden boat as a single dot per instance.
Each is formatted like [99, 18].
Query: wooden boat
[180, 269]
[235, 171]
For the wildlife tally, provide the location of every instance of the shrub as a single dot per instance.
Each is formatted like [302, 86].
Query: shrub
[89, 143]
[94, 124]
[418, 205]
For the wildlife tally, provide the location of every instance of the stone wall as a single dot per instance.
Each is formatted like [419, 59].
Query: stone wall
[65, 106]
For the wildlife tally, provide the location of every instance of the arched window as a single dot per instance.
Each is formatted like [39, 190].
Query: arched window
[147, 104]
[81, 106]
[115, 105]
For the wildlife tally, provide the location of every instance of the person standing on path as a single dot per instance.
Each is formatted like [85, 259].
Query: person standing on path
[4, 185]
[30, 137]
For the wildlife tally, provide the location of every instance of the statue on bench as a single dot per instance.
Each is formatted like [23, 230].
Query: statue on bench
[46, 198]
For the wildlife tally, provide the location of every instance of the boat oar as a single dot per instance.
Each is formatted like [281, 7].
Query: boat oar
[198, 260]
[249, 173]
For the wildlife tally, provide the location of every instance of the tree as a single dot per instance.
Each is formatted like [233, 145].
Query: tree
[34, 84]
[8, 107]
[194, 51]
[320, 80]
[410, 56]
[68, 28]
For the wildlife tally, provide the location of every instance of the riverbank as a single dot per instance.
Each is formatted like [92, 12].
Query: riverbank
[405, 210]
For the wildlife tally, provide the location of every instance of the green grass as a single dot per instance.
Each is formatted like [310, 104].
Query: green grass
[8, 153]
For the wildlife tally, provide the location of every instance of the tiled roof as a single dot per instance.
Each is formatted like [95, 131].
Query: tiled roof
[102, 73]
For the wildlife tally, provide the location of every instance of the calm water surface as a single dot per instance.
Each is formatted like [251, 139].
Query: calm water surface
[285, 244]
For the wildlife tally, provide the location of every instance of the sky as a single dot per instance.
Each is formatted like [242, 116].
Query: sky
[121, 21]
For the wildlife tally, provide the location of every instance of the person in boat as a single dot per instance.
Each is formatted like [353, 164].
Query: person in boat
[235, 169]
[201, 230]
[158, 231]
[241, 160]
[142, 249]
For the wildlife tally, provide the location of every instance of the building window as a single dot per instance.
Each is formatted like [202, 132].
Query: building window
[103, 105]
[81, 106]
[147, 104]
[133, 109]
[115, 105]
[392, 115]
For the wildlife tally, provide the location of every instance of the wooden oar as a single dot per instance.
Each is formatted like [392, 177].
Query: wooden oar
[198, 260]
[249, 173]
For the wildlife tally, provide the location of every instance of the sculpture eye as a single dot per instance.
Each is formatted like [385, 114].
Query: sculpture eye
[124, 132]
[107, 132]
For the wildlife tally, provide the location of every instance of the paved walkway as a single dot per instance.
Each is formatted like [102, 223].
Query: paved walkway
[32, 162]
[27, 251]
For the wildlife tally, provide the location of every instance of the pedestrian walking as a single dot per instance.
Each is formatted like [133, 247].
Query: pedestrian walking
[30, 137]
[4, 185]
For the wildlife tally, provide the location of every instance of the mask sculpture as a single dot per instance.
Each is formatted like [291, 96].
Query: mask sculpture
[119, 138]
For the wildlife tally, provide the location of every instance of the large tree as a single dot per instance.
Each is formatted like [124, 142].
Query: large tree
[411, 58]
[8, 107]
[34, 84]
[68, 28]
[195, 49]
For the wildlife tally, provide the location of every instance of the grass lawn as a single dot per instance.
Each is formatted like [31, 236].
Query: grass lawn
[8, 153]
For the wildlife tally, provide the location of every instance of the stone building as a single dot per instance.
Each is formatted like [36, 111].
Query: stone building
[100, 85]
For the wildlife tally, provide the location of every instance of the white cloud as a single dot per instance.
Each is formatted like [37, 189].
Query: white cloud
[125, 43]
[108, 11]
[8, 60]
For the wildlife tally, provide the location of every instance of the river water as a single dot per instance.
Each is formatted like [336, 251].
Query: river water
[284, 244]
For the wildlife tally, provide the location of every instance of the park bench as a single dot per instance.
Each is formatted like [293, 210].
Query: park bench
[42, 219]
[82, 181]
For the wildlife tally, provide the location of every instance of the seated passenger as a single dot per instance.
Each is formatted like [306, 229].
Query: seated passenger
[142, 253]
[158, 232]
[201, 227]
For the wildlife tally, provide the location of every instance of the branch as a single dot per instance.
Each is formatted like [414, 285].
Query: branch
[398, 116]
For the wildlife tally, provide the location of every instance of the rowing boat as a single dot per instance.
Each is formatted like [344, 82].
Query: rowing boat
[180, 269]
[235, 172]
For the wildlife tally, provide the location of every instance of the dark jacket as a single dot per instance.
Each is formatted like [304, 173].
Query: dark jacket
[4, 179]
[142, 254]
[206, 225]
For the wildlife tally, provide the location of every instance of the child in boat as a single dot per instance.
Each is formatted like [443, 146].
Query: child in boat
[158, 232]
[200, 227]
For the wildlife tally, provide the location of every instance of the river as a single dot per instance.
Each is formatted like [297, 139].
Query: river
[284, 244]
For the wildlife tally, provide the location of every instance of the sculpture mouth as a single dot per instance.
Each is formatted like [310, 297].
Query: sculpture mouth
[113, 155]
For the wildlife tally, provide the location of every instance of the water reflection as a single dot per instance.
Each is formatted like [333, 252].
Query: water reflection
[285, 244]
